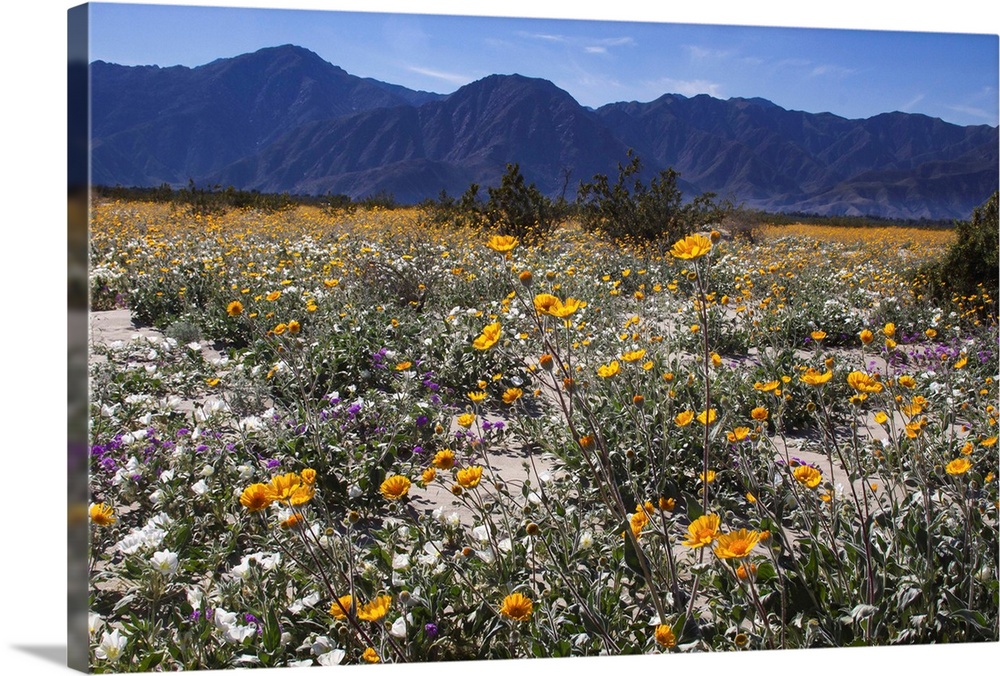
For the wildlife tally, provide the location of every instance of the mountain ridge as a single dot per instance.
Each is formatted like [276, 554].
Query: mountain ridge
[284, 120]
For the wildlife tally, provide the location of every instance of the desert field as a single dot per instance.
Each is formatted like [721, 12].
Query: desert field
[323, 436]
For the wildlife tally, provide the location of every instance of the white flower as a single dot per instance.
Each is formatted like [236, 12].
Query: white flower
[245, 472]
[586, 540]
[111, 646]
[94, 623]
[300, 663]
[400, 562]
[331, 658]
[321, 645]
[165, 562]
[195, 596]
[399, 628]
[166, 475]
[207, 471]
[200, 488]
[156, 497]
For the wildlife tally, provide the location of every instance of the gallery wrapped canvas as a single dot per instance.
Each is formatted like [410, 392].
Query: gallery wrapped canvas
[417, 339]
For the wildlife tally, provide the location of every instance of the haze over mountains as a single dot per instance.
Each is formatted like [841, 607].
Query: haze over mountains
[283, 120]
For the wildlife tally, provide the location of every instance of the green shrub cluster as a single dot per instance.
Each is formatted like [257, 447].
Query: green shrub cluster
[970, 269]
[644, 213]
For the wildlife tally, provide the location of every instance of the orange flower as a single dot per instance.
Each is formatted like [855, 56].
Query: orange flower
[395, 487]
[516, 606]
[255, 497]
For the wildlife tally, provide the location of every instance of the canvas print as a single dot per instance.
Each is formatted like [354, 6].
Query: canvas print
[417, 339]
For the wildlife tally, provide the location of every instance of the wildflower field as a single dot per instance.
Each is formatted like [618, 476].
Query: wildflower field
[361, 437]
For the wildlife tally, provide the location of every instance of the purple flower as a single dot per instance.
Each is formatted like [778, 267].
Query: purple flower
[431, 629]
[183, 432]
[418, 449]
[421, 421]
[272, 463]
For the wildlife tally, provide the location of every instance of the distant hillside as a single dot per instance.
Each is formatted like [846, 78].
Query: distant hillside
[282, 119]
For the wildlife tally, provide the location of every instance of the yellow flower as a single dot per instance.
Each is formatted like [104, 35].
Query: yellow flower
[691, 247]
[395, 487]
[525, 277]
[512, 394]
[665, 636]
[746, 570]
[907, 381]
[769, 386]
[255, 497]
[736, 545]
[931, 333]
[294, 326]
[346, 602]
[818, 335]
[889, 330]
[684, 418]
[961, 362]
[274, 295]
[466, 419]
[403, 365]
[707, 477]
[488, 338]
[428, 475]
[609, 370]
[502, 243]
[234, 309]
[444, 459]
[370, 656]
[862, 382]
[477, 397]
[638, 521]
[881, 417]
[958, 466]
[308, 476]
[469, 477]
[866, 336]
[375, 610]
[289, 488]
[991, 441]
[634, 355]
[707, 417]
[544, 302]
[702, 531]
[516, 606]
[562, 310]
[739, 434]
[280, 329]
[666, 504]
[759, 414]
[101, 514]
[815, 378]
[807, 476]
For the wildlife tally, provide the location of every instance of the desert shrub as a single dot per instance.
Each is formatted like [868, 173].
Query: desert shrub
[643, 213]
[517, 209]
[969, 270]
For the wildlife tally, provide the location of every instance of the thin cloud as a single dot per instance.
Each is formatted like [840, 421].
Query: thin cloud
[909, 105]
[699, 53]
[830, 69]
[589, 45]
[685, 87]
[452, 78]
[972, 111]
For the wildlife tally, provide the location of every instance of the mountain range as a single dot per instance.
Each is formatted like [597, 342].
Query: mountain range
[284, 120]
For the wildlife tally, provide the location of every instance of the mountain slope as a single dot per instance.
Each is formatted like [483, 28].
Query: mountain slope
[282, 119]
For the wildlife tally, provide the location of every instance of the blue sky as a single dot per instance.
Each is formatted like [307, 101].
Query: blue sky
[852, 73]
